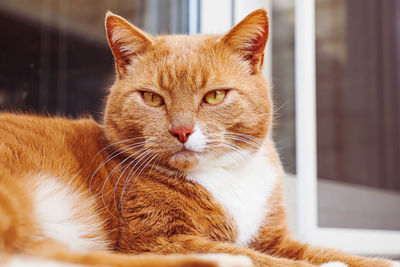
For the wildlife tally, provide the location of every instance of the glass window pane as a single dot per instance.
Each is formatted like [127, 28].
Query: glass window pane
[283, 80]
[358, 113]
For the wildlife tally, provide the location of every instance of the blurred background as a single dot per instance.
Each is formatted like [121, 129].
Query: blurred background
[54, 59]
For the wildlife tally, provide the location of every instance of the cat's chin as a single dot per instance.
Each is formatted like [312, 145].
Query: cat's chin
[184, 160]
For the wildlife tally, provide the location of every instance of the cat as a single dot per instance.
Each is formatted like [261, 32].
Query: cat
[182, 164]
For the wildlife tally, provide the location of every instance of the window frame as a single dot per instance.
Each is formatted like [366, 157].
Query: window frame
[359, 241]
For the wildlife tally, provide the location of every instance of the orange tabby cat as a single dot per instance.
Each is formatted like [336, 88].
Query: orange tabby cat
[182, 164]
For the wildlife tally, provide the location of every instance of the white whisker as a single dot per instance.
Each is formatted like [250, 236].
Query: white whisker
[256, 146]
[119, 178]
[111, 173]
[253, 138]
[145, 163]
[148, 162]
[237, 149]
[144, 153]
[113, 155]
[122, 141]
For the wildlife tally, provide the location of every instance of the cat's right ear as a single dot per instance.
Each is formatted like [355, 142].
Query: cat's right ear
[125, 40]
[249, 37]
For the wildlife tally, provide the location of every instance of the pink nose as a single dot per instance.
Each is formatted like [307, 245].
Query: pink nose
[181, 133]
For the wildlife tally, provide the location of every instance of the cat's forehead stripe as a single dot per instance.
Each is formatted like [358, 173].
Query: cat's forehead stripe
[182, 72]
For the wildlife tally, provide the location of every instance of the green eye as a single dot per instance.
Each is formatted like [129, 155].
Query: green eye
[215, 97]
[152, 99]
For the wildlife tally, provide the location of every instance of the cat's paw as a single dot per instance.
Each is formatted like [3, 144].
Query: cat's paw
[227, 260]
[334, 264]
[395, 264]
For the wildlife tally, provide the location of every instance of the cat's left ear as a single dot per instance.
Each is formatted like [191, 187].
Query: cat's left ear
[249, 37]
[126, 41]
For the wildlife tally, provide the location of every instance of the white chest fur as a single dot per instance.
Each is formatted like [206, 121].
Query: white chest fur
[67, 216]
[243, 189]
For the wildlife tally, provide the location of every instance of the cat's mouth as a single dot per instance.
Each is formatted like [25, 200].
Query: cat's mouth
[185, 159]
[187, 152]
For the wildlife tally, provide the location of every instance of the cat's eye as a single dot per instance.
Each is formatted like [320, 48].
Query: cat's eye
[152, 99]
[215, 97]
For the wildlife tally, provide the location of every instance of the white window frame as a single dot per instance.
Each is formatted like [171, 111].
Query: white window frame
[366, 242]
[211, 16]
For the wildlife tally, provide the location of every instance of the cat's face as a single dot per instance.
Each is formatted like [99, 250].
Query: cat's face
[188, 99]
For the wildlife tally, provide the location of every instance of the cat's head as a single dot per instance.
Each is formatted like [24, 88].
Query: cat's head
[186, 99]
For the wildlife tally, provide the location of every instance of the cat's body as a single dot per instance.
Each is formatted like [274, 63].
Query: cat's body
[173, 169]
[185, 205]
